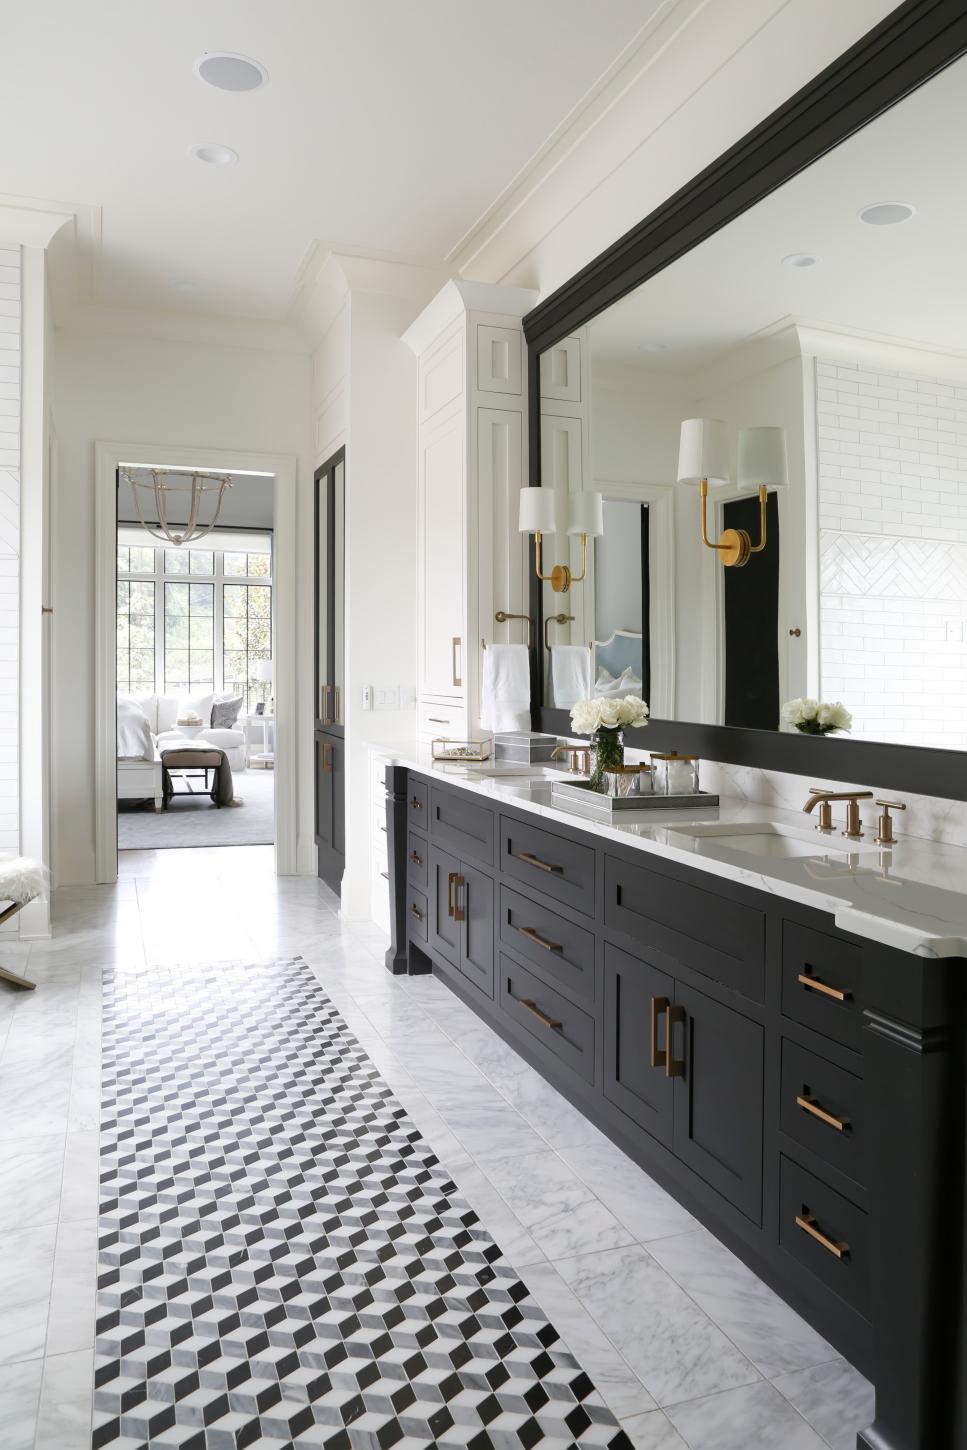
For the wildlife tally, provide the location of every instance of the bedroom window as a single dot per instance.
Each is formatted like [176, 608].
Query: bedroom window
[191, 620]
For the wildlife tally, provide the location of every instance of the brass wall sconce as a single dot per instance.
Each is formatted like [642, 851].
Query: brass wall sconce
[703, 458]
[538, 516]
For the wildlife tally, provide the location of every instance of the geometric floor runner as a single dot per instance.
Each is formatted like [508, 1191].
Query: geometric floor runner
[283, 1262]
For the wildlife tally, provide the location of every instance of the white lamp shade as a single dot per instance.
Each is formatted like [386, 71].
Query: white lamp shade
[537, 511]
[585, 514]
[703, 452]
[262, 669]
[762, 458]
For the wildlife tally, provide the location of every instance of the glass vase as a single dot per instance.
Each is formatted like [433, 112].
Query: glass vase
[607, 753]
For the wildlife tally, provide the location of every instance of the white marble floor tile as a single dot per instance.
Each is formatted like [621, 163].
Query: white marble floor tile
[653, 1431]
[620, 1387]
[835, 1398]
[71, 1322]
[80, 1183]
[753, 1417]
[31, 1172]
[771, 1334]
[547, 1111]
[33, 1107]
[490, 1130]
[519, 1247]
[64, 1421]
[26, 1269]
[670, 1343]
[19, 1400]
[635, 1199]
[560, 1212]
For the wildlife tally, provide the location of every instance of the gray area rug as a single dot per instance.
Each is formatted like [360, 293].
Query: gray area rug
[283, 1261]
[192, 820]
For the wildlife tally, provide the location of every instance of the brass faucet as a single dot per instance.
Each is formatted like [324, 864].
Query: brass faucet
[823, 798]
[580, 757]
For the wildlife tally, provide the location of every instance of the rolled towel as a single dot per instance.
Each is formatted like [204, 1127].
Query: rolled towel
[570, 674]
[506, 688]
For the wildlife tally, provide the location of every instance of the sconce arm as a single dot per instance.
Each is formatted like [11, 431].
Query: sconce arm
[763, 500]
[703, 493]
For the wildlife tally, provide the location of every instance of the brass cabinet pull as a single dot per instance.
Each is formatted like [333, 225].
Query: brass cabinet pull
[535, 1011]
[538, 940]
[807, 1223]
[673, 1067]
[451, 878]
[417, 860]
[813, 984]
[459, 912]
[327, 758]
[337, 713]
[385, 875]
[415, 803]
[536, 861]
[415, 911]
[659, 1055]
[808, 1102]
[437, 720]
[455, 644]
[383, 829]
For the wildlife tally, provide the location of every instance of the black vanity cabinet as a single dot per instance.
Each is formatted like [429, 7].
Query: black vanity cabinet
[799, 1090]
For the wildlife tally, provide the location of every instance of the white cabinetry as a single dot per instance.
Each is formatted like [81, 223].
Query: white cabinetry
[471, 560]
[565, 379]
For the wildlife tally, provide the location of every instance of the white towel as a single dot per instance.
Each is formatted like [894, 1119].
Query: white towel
[570, 675]
[506, 688]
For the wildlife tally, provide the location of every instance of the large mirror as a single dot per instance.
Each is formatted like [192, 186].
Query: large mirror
[834, 310]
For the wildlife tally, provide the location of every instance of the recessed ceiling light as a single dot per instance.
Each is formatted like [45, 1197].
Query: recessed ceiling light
[214, 153]
[887, 213]
[653, 347]
[230, 72]
[183, 285]
[801, 260]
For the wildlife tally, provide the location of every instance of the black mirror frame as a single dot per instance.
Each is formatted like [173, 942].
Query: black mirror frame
[913, 44]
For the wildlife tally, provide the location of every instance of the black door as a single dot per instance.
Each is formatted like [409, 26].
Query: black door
[330, 842]
[719, 1097]
[446, 928]
[752, 621]
[330, 649]
[635, 996]
[476, 895]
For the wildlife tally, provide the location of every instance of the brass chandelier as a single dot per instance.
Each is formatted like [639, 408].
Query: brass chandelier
[164, 492]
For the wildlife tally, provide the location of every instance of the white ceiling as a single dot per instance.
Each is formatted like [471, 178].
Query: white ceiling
[907, 283]
[386, 124]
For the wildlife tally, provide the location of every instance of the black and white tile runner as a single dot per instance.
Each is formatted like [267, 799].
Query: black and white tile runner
[282, 1259]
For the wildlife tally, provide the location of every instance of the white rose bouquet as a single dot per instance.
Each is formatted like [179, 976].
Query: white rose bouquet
[604, 721]
[817, 717]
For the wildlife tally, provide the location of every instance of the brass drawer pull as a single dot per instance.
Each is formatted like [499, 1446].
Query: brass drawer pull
[535, 1011]
[415, 803]
[673, 1067]
[808, 1102]
[385, 875]
[659, 1055]
[415, 911]
[383, 829]
[417, 860]
[451, 877]
[438, 720]
[454, 909]
[813, 984]
[807, 1223]
[536, 861]
[538, 940]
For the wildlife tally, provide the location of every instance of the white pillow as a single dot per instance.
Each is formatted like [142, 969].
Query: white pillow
[606, 686]
[167, 713]
[200, 705]
[147, 704]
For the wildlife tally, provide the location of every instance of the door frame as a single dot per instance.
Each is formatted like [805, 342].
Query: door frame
[109, 456]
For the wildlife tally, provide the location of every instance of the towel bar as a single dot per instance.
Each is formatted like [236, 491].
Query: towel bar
[502, 617]
[554, 619]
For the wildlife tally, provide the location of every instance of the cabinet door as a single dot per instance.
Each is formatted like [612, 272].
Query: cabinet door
[337, 758]
[476, 898]
[634, 994]
[719, 1097]
[446, 934]
[323, 793]
[442, 581]
[330, 809]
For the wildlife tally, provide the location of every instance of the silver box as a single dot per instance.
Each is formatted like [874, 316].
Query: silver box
[579, 796]
[524, 747]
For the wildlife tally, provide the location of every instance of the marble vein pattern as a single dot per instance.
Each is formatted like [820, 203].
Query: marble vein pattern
[282, 1256]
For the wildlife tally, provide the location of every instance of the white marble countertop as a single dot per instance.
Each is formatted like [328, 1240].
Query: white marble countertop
[912, 896]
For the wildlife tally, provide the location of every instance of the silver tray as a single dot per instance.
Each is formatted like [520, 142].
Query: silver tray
[580, 795]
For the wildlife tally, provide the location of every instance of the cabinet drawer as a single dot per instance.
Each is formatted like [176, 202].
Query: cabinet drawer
[438, 719]
[551, 864]
[822, 979]
[721, 938]
[839, 1256]
[557, 1027]
[417, 802]
[822, 1108]
[416, 854]
[460, 825]
[561, 952]
[416, 914]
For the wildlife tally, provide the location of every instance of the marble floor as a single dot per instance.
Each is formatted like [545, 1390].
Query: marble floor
[686, 1346]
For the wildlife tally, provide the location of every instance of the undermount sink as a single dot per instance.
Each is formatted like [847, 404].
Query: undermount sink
[772, 839]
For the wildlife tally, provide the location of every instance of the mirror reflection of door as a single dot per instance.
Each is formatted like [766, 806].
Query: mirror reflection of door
[751, 622]
[622, 600]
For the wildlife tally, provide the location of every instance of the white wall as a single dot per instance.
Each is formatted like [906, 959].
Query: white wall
[11, 296]
[154, 391]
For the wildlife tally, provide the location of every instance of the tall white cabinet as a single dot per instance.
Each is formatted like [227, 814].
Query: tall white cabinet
[471, 561]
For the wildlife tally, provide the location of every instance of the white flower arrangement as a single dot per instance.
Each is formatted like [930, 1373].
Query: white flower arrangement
[817, 717]
[590, 716]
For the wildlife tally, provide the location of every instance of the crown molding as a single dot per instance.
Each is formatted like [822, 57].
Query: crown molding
[329, 273]
[30, 222]
[81, 319]
[458, 297]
